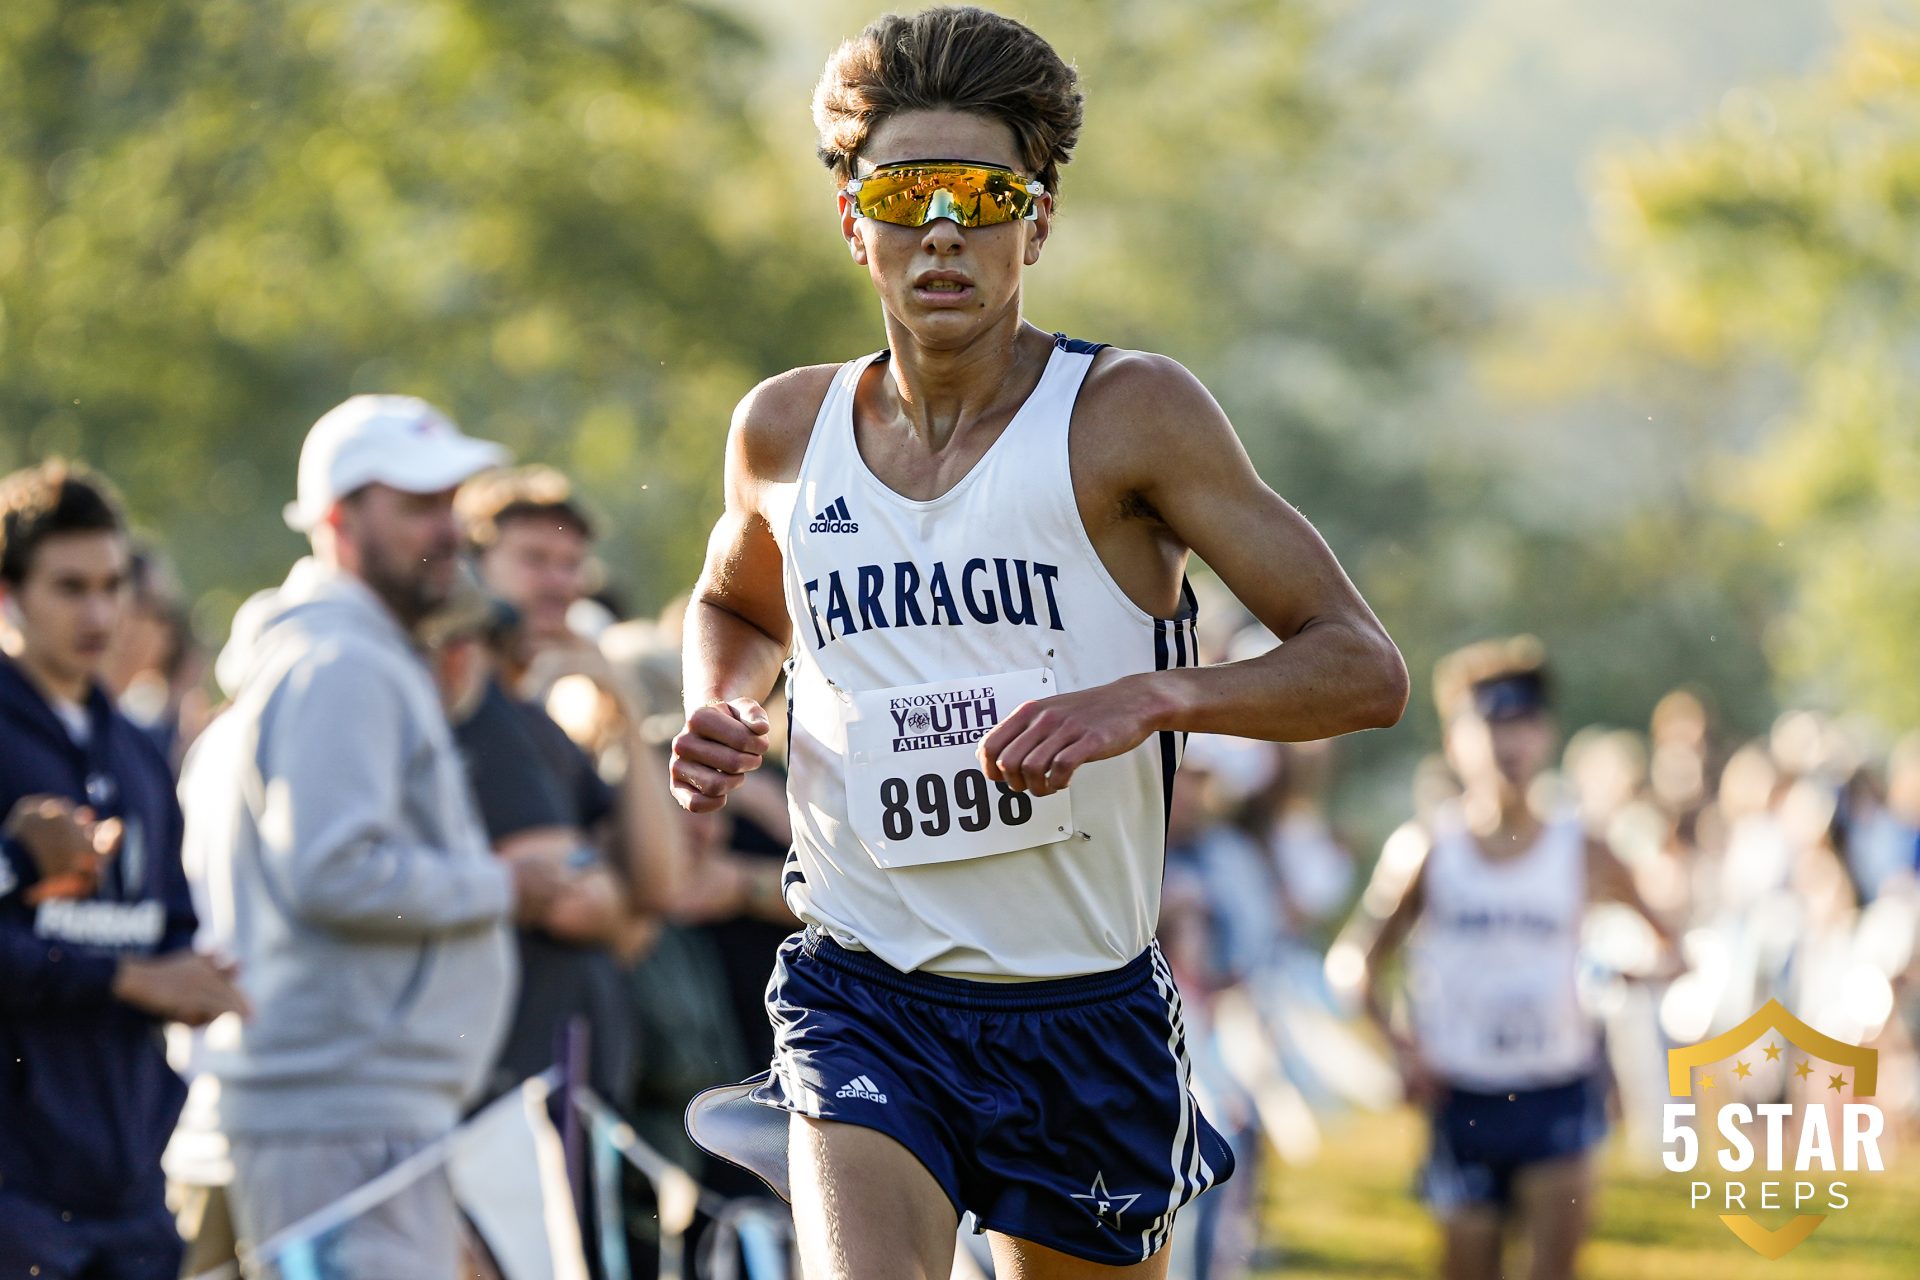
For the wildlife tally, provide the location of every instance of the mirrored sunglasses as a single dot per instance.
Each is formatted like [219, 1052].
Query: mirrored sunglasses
[913, 193]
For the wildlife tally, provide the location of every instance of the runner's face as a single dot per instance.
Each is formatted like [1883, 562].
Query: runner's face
[70, 604]
[981, 267]
[1508, 753]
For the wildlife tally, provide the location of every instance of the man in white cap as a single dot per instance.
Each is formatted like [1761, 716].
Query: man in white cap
[337, 851]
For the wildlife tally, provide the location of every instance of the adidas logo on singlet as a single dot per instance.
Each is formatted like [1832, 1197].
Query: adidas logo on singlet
[861, 1087]
[835, 519]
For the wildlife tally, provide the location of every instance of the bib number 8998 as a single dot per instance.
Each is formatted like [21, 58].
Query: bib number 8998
[970, 796]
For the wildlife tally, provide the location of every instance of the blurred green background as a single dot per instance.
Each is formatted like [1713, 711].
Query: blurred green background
[1594, 320]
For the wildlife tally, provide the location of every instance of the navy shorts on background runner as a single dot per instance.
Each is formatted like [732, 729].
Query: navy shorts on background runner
[1056, 1111]
[1482, 1140]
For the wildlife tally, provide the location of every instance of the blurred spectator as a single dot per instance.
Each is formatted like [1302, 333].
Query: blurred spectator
[330, 809]
[95, 918]
[1231, 904]
[1683, 759]
[155, 669]
[1883, 837]
[698, 983]
[539, 798]
[534, 543]
[1288, 814]
[531, 541]
[1758, 856]
[733, 894]
[1222, 908]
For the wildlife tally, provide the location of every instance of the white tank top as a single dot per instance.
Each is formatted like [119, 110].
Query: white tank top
[960, 608]
[1494, 960]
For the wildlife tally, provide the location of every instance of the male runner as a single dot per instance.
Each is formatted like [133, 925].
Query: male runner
[1490, 898]
[969, 550]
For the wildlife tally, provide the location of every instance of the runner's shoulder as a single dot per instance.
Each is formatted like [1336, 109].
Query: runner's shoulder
[773, 422]
[1148, 400]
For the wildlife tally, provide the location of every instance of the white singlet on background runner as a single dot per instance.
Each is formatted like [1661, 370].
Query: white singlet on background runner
[1494, 959]
[917, 627]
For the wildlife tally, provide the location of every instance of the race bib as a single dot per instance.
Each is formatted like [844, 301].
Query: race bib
[1515, 1025]
[915, 791]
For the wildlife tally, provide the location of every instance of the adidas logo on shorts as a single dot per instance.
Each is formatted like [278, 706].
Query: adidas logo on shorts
[861, 1087]
[835, 519]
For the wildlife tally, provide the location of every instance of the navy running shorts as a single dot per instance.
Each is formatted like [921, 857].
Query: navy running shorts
[1057, 1111]
[1482, 1140]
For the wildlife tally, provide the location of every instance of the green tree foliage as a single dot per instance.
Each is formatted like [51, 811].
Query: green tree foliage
[1772, 258]
[219, 217]
[587, 228]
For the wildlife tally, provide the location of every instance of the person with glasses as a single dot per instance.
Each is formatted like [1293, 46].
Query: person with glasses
[968, 551]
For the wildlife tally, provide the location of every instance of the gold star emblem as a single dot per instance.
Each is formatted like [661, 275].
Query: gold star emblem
[1835, 1083]
[1773, 1051]
[1742, 1070]
[1801, 1069]
[1706, 1082]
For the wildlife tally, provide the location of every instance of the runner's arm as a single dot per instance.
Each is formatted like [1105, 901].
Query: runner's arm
[1388, 910]
[1165, 450]
[737, 630]
[1391, 906]
[1337, 670]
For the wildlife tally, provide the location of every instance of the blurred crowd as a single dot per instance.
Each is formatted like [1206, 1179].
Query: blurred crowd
[405, 840]
[1783, 867]
[423, 849]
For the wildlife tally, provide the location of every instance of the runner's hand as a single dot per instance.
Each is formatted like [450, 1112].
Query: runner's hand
[721, 743]
[1417, 1079]
[1037, 748]
[184, 986]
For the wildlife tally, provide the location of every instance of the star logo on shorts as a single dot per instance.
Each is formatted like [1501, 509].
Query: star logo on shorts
[1104, 1204]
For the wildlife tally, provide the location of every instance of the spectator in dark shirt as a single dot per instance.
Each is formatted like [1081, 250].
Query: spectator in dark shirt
[532, 542]
[95, 918]
[539, 798]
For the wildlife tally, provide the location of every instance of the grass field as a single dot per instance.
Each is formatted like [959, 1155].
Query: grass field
[1350, 1213]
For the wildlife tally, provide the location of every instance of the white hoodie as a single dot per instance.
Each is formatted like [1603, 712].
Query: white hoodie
[338, 857]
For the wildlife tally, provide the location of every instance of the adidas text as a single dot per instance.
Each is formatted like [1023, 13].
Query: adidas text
[861, 1087]
[836, 518]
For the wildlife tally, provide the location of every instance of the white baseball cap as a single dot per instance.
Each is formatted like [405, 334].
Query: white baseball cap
[399, 441]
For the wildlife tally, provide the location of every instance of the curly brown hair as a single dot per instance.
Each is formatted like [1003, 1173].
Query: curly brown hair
[956, 59]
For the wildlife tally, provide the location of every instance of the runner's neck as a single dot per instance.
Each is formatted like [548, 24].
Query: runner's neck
[1502, 823]
[934, 394]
